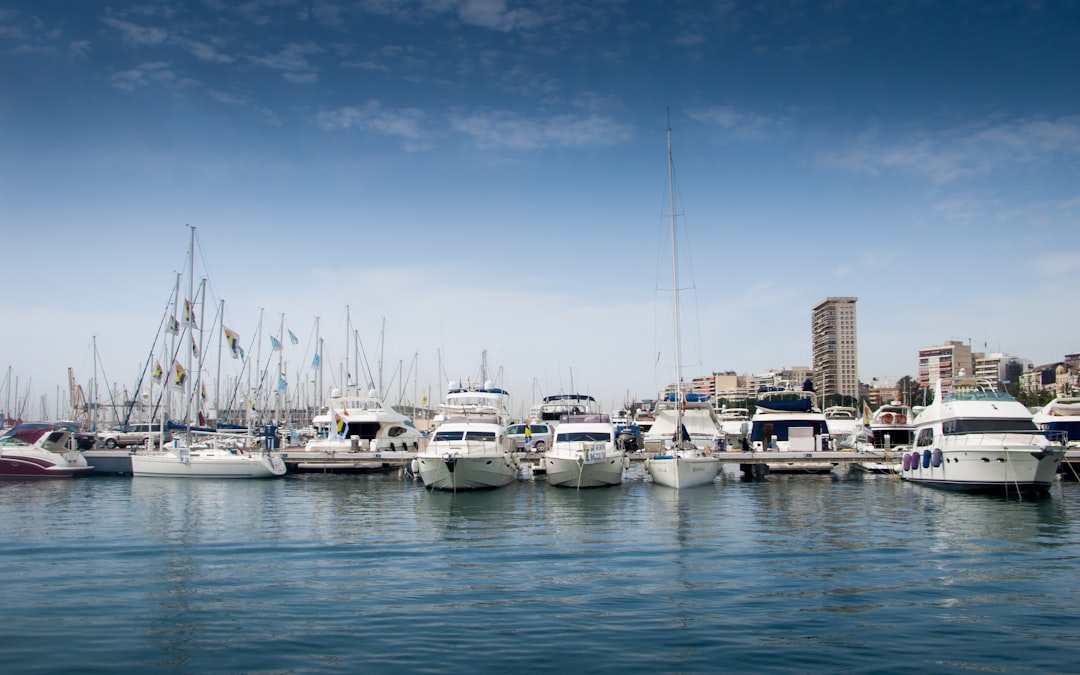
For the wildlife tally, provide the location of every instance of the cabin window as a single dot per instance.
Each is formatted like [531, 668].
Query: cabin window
[926, 438]
[584, 436]
[448, 436]
[481, 436]
[990, 426]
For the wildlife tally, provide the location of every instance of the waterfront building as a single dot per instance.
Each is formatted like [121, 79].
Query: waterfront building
[835, 347]
[944, 362]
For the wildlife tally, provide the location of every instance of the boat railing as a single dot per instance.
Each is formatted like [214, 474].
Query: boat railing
[1003, 438]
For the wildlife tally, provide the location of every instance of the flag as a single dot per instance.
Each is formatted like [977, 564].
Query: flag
[203, 392]
[282, 384]
[173, 326]
[338, 425]
[179, 376]
[189, 317]
[194, 347]
[866, 414]
[158, 372]
[292, 338]
[315, 362]
[241, 353]
[274, 343]
[233, 341]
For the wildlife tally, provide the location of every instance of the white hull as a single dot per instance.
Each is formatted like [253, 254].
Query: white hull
[578, 473]
[455, 472]
[683, 472]
[985, 462]
[206, 463]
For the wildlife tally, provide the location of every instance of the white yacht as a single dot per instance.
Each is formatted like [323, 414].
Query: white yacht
[470, 449]
[892, 432]
[554, 407]
[788, 420]
[1063, 415]
[735, 427]
[357, 432]
[977, 439]
[585, 453]
[697, 417]
[844, 425]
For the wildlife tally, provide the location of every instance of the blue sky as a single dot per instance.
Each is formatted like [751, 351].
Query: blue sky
[492, 175]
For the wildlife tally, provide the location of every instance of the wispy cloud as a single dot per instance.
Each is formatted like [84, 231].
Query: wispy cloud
[743, 125]
[292, 61]
[143, 75]
[374, 116]
[136, 34]
[964, 151]
[503, 129]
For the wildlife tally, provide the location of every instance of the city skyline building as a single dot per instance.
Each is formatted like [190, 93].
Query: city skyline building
[835, 347]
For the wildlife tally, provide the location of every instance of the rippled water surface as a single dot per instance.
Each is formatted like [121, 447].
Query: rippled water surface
[375, 574]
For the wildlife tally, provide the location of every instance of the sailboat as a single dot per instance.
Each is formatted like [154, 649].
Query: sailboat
[185, 458]
[681, 464]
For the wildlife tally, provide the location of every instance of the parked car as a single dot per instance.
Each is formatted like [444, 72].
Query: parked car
[132, 434]
[540, 437]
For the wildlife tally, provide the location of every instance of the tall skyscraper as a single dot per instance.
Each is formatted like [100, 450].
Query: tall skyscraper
[835, 347]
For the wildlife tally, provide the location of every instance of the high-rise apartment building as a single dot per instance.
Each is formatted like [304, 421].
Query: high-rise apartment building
[835, 347]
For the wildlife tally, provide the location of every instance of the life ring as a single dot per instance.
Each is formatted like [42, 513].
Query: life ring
[887, 418]
[901, 419]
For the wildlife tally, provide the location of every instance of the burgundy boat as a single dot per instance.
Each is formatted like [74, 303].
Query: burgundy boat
[47, 456]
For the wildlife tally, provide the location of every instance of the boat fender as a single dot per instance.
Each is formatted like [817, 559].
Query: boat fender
[887, 418]
[935, 461]
[915, 460]
[926, 456]
[907, 462]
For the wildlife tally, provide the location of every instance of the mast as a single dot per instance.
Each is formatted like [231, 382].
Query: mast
[348, 339]
[190, 323]
[318, 369]
[217, 377]
[675, 292]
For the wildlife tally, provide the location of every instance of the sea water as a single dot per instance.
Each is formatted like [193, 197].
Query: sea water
[375, 574]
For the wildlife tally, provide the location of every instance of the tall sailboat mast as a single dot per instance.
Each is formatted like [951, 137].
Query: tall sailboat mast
[675, 292]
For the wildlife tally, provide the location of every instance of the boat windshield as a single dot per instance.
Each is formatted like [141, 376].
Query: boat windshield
[582, 436]
[448, 436]
[987, 426]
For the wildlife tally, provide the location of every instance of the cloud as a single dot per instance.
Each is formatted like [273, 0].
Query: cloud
[143, 75]
[292, 61]
[744, 126]
[952, 154]
[503, 129]
[136, 34]
[373, 115]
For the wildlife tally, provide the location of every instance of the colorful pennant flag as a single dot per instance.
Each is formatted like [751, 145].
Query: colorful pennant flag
[179, 376]
[158, 372]
[233, 342]
[338, 425]
[189, 317]
[173, 326]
